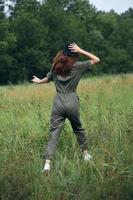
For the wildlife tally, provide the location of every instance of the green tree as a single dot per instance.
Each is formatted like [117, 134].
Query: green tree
[31, 52]
[7, 43]
[33, 33]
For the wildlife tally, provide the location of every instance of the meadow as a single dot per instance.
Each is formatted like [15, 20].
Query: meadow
[106, 106]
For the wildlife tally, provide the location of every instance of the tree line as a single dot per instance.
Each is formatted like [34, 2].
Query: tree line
[33, 33]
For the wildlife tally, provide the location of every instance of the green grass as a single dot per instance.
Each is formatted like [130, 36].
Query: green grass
[106, 105]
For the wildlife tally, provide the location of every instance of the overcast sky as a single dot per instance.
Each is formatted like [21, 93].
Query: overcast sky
[118, 5]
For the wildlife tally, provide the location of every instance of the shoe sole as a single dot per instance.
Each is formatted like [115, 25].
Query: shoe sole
[46, 172]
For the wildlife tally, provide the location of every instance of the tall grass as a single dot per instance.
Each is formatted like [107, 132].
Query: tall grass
[106, 105]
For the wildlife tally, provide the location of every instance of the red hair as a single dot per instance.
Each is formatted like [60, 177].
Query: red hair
[62, 64]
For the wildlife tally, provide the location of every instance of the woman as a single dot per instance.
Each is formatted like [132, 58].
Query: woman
[66, 73]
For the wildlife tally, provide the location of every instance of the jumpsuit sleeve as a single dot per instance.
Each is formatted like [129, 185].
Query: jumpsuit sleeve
[49, 76]
[84, 65]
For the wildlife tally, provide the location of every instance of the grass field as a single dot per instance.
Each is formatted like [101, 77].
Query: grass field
[106, 105]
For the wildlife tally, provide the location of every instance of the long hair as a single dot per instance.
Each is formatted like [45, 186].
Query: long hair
[62, 64]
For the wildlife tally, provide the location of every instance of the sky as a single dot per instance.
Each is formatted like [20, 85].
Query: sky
[118, 5]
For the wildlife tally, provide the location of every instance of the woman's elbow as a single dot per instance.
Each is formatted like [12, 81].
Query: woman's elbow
[95, 61]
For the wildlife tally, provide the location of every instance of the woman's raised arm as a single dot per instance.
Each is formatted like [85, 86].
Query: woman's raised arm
[74, 48]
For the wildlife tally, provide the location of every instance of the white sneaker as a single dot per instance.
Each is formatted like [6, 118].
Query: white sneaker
[46, 167]
[87, 157]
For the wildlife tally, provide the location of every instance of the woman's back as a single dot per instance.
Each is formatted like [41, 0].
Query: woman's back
[69, 83]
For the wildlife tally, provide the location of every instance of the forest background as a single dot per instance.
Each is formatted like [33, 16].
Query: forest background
[32, 33]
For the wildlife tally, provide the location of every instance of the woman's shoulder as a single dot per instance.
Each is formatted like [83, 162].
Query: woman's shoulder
[82, 65]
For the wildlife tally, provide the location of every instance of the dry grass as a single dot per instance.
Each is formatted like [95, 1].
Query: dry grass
[107, 115]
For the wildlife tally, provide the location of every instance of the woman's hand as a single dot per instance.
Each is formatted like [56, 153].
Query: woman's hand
[74, 48]
[35, 79]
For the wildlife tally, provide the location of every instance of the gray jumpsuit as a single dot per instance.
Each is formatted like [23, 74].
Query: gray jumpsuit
[66, 105]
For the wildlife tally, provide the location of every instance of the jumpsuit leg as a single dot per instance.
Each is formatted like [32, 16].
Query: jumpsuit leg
[79, 132]
[74, 118]
[57, 121]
